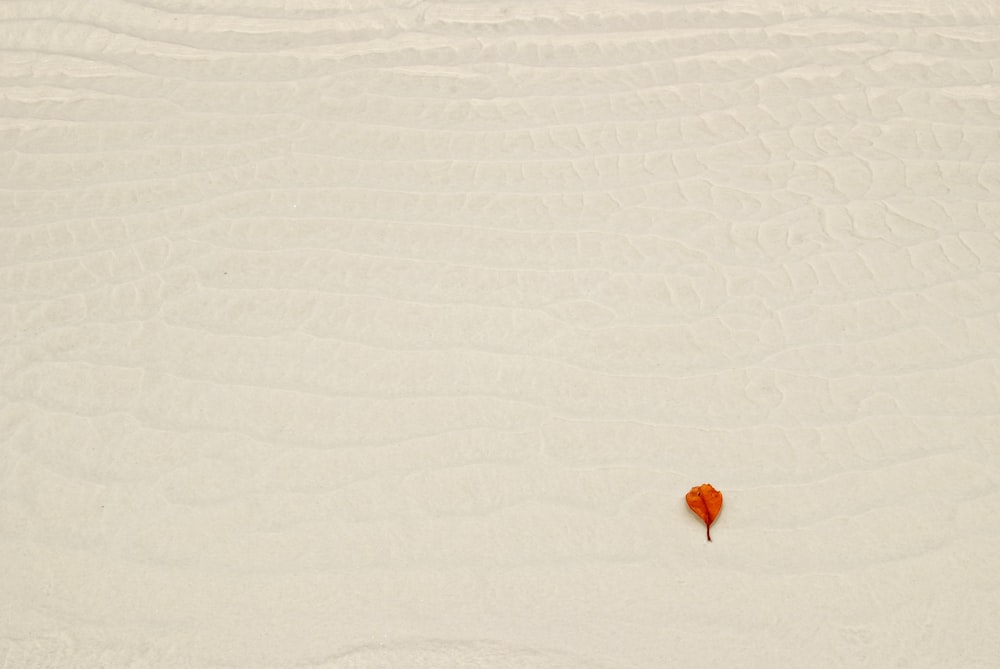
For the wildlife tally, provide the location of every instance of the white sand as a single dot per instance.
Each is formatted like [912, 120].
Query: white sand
[392, 334]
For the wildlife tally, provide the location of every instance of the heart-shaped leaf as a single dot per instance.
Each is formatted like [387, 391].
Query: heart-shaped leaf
[705, 501]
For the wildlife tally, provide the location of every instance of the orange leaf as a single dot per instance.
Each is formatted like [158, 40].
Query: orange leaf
[705, 501]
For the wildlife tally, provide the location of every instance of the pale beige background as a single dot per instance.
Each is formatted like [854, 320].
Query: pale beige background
[391, 334]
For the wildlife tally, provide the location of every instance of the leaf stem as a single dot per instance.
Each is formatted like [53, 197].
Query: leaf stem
[708, 517]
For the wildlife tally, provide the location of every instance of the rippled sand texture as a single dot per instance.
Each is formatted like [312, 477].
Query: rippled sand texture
[346, 334]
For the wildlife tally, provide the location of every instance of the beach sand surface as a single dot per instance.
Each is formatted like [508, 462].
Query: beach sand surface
[345, 334]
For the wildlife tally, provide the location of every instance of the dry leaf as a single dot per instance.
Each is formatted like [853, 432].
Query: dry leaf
[705, 501]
